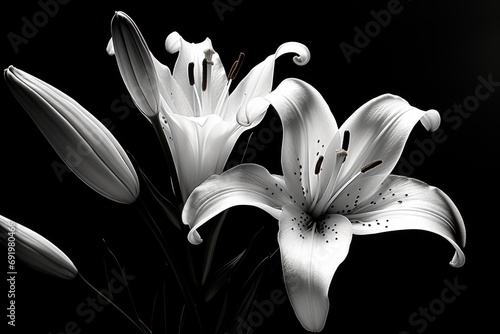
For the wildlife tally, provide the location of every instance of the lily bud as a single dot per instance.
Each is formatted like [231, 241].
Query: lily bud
[136, 64]
[34, 250]
[81, 141]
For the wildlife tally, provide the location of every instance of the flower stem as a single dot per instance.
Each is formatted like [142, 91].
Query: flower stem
[168, 157]
[109, 301]
[190, 303]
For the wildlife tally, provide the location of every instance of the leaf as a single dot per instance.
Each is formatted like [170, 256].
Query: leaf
[171, 211]
[222, 276]
[210, 249]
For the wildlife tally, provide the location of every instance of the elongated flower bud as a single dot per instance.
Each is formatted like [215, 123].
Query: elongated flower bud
[83, 143]
[135, 63]
[34, 250]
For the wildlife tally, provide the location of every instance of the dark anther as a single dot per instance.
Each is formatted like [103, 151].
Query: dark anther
[191, 73]
[318, 165]
[370, 165]
[345, 141]
[204, 65]
[233, 72]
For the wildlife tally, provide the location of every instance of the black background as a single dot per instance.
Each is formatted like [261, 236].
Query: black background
[431, 53]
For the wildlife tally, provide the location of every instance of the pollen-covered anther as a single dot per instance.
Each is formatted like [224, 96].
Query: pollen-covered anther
[318, 165]
[235, 68]
[191, 73]
[204, 78]
[346, 139]
[370, 166]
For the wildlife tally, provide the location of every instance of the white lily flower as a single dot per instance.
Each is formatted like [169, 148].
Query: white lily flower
[197, 112]
[86, 146]
[336, 184]
[34, 250]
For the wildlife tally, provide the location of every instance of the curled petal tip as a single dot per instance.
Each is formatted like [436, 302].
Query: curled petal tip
[194, 237]
[255, 108]
[303, 54]
[173, 42]
[110, 49]
[431, 120]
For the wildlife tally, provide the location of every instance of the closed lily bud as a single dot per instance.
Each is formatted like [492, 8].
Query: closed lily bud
[85, 145]
[34, 250]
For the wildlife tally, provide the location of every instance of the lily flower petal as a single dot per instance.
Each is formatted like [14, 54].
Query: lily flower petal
[135, 63]
[379, 130]
[36, 251]
[197, 110]
[202, 146]
[338, 184]
[246, 184]
[308, 128]
[258, 82]
[80, 140]
[207, 81]
[311, 252]
[402, 203]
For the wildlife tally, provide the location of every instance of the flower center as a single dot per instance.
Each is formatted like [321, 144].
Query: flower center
[320, 207]
[202, 101]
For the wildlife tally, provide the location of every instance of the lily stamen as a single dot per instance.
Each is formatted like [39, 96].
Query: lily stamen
[191, 73]
[197, 102]
[318, 165]
[233, 72]
[369, 166]
[204, 77]
[345, 141]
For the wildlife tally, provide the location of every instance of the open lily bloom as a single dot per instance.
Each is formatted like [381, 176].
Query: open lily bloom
[336, 184]
[193, 103]
[35, 250]
[86, 146]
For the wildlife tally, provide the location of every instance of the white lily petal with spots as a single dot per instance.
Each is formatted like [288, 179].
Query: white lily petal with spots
[311, 252]
[402, 203]
[308, 128]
